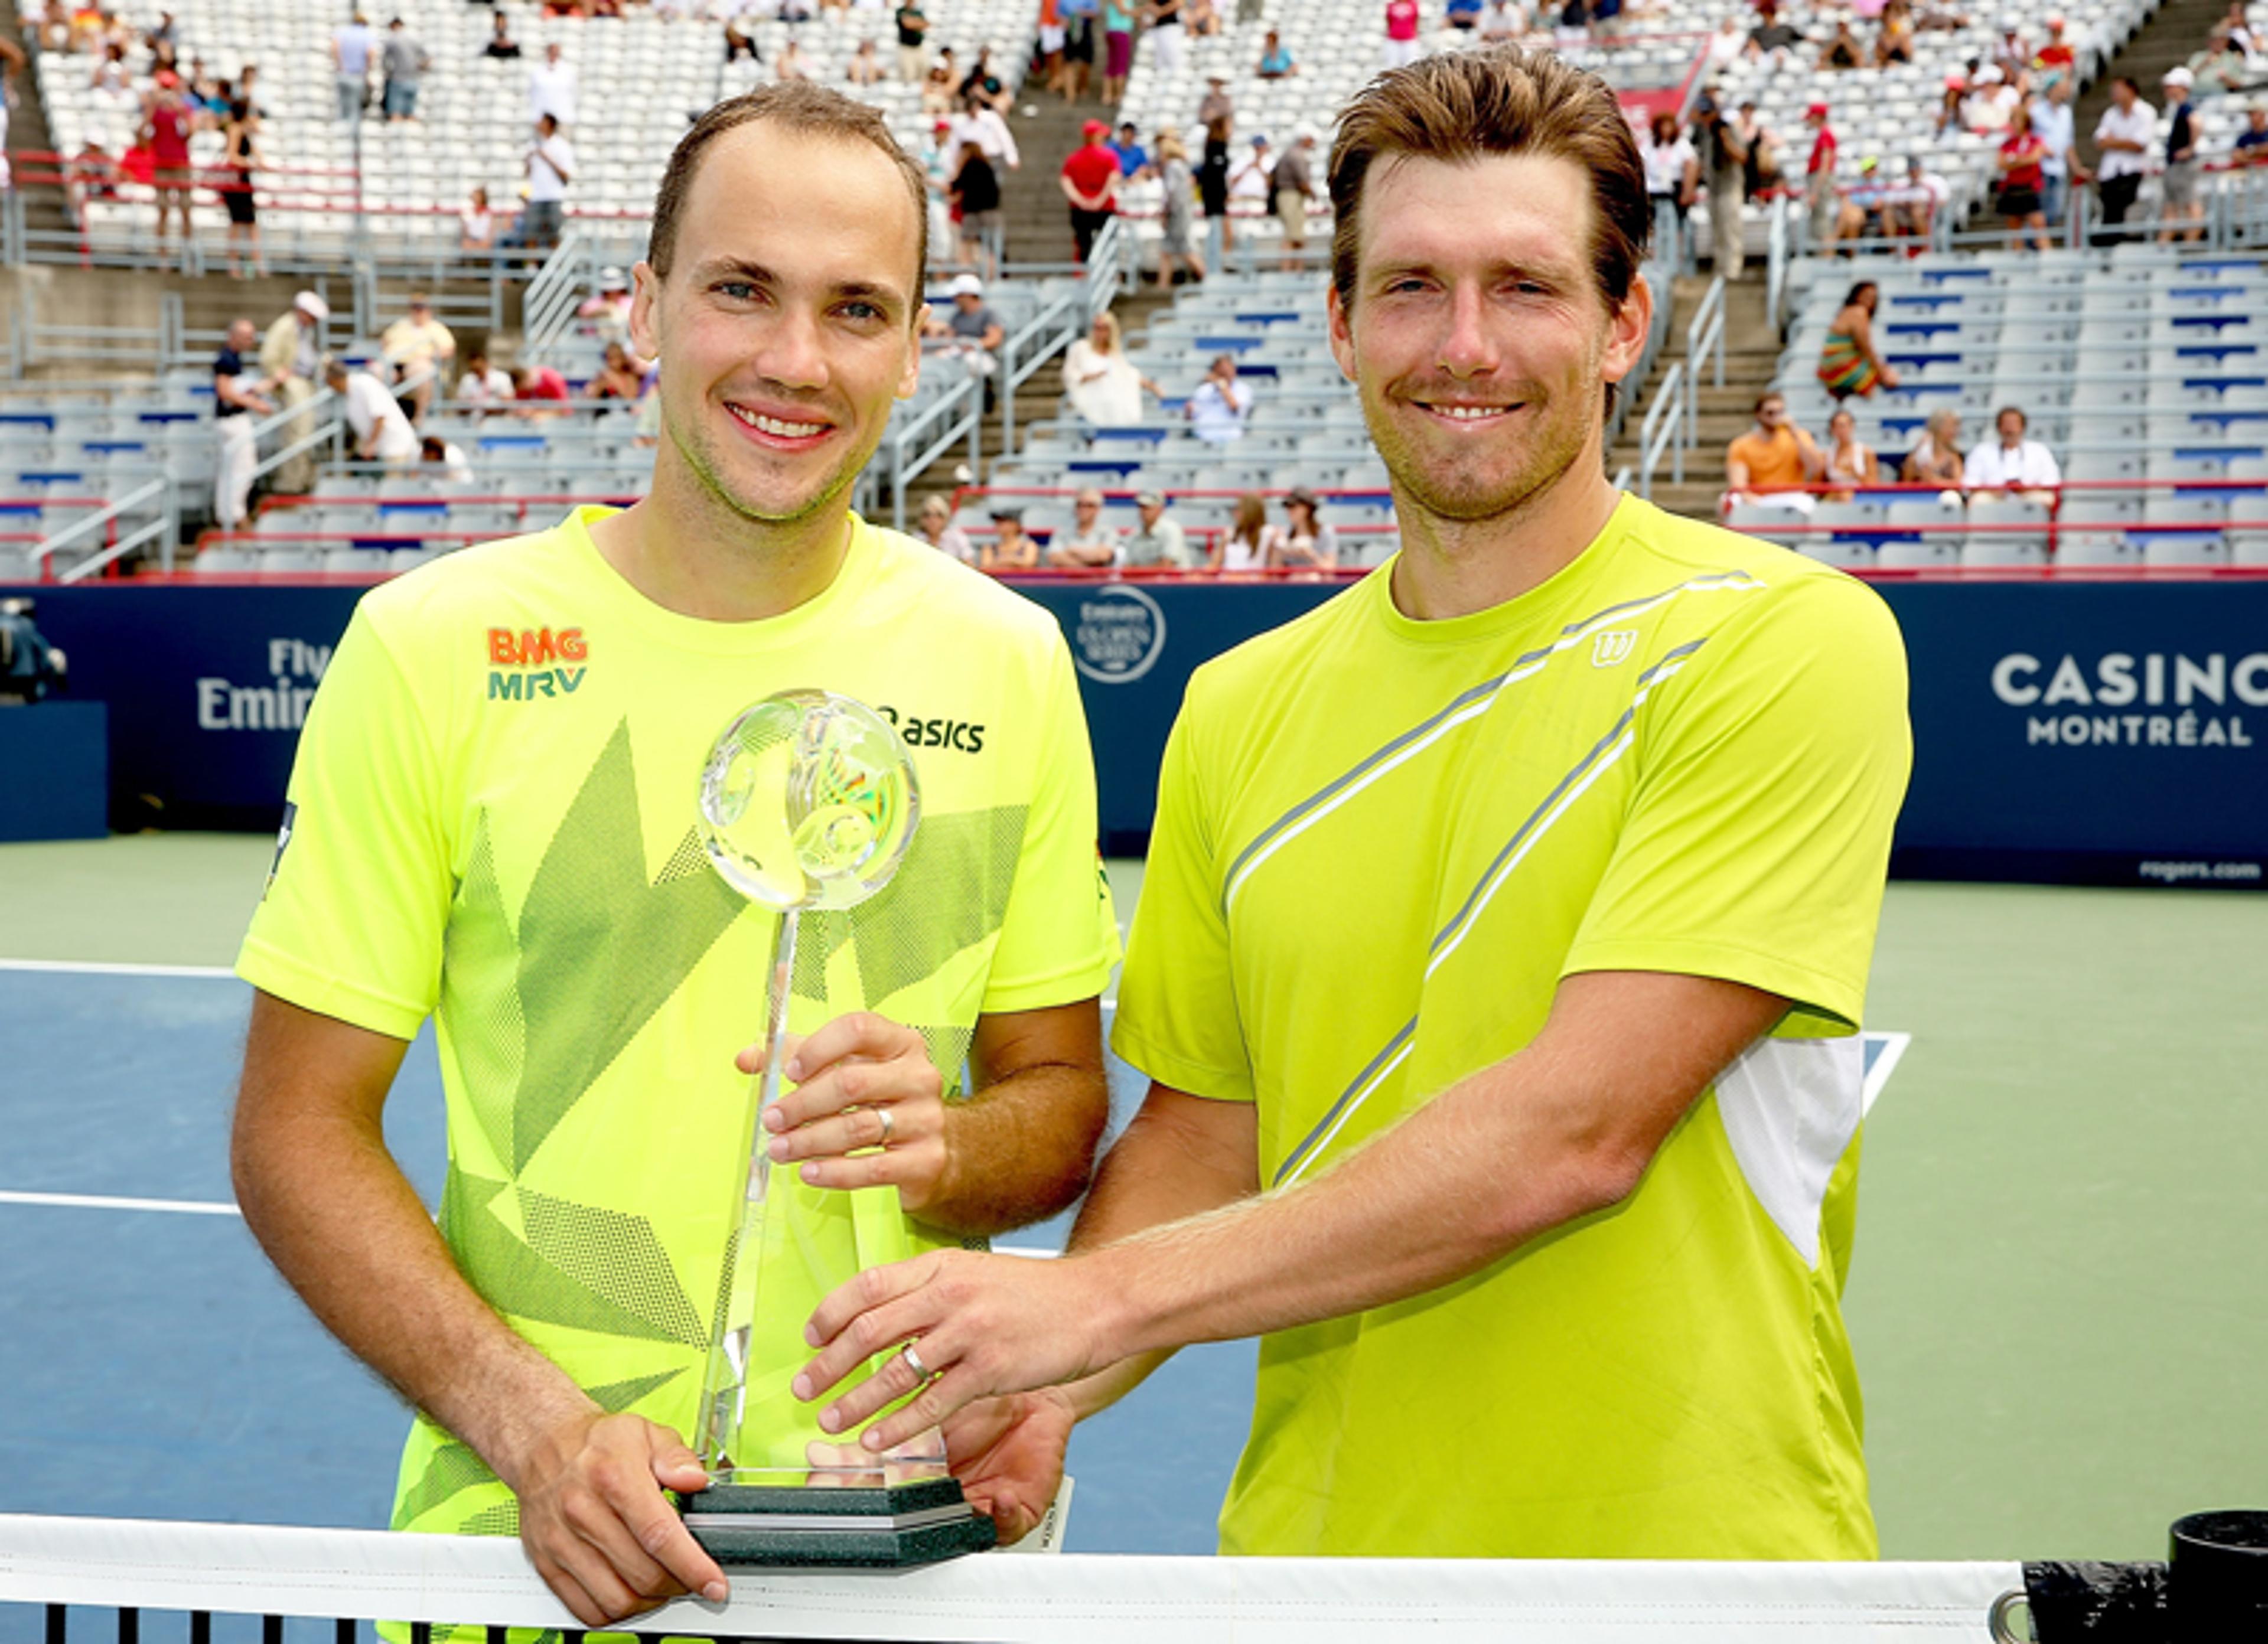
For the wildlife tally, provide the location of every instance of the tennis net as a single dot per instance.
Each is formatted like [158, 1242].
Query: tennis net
[88, 1580]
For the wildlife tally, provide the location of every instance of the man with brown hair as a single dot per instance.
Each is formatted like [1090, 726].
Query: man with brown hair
[492, 822]
[1500, 954]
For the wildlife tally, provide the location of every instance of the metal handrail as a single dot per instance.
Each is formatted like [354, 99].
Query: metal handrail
[1041, 337]
[1776, 264]
[548, 306]
[1703, 334]
[962, 408]
[149, 492]
[1659, 432]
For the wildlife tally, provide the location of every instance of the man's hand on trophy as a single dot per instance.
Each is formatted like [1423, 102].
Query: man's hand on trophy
[867, 1110]
[1008, 1454]
[596, 1525]
[971, 1326]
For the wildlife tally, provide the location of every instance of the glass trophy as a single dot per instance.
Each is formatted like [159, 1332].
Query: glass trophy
[809, 802]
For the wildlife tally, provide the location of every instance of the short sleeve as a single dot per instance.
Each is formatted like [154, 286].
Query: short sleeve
[1772, 766]
[1177, 1018]
[352, 922]
[1060, 935]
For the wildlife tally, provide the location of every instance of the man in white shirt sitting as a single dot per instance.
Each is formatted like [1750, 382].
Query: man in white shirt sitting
[1160, 543]
[1216, 410]
[1089, 545]
[2012, 463]
[381, 433]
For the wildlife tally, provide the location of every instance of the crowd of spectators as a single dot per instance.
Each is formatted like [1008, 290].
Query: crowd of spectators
[1776, 464]
[1300, 543]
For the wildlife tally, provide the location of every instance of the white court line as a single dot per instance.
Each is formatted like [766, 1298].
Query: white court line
[89, 967]
[98, 1201]
[1886, 1063]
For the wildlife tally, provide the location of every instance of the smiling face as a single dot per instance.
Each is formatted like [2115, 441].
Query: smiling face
[1478, 336]
[782, 350]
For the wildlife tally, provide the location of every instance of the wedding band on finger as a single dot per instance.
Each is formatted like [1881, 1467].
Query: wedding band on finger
[890, 1125]
[922, 1372]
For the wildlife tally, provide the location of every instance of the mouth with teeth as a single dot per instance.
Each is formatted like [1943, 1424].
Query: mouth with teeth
[775, 432]
[1465, 415]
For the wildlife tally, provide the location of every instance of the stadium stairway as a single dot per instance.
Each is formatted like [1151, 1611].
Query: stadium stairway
[2174, 34]
[1752, 348]
[1047, 130]
[29, 131]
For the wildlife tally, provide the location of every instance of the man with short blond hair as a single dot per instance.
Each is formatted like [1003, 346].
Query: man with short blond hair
[1500, 955]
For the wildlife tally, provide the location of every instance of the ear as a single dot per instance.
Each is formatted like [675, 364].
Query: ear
[1342, 332]
[910, 379]
[645, 328]
[1627, 326]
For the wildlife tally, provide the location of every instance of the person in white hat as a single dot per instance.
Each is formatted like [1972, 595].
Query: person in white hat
[291, 357]
[1991, 100]
[2185, 207]
[606, 312]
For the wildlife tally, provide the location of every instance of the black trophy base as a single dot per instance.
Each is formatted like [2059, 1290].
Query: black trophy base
[866, 1527]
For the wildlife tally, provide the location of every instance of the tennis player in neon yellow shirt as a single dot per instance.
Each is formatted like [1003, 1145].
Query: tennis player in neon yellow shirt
[493, 823]
[1502, 954]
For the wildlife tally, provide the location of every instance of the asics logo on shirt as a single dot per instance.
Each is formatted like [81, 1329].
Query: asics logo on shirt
[934, 733]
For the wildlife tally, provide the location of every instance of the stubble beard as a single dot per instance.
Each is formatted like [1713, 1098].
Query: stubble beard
[698, 451]
[1465, 493]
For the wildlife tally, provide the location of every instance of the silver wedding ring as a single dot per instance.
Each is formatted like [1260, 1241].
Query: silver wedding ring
[913, 1362]
[890, 1125]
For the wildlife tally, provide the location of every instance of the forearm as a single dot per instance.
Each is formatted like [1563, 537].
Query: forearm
[1019, 1150]
[334, 1212]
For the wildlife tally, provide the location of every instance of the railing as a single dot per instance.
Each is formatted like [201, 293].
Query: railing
[1659, 433]
[546, 309]
[956, 414]
[1705, 333]
[163, 528]
[1776, 257]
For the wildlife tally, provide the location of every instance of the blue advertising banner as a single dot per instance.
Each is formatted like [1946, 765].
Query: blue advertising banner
[2099, 733]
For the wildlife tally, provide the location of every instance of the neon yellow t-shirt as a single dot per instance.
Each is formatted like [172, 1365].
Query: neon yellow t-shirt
[493, 821]
[1379, 845]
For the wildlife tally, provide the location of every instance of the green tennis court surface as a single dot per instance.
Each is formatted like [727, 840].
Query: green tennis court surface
[2059, 1298]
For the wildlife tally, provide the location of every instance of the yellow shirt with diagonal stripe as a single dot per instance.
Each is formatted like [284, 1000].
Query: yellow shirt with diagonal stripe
[1381, 843]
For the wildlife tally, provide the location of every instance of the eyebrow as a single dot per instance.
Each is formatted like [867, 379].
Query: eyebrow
[1507, 268]
[756, 274]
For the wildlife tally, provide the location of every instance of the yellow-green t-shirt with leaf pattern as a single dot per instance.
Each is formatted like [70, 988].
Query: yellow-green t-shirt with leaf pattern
[493, 820]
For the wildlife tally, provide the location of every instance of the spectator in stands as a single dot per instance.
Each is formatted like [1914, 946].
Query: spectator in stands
[550, 167]
[1216, 411]
[1304, 543]
[1403, 24]
[1843, 49]
[1936, 457]
[1049, 62]
[2054, 63]
[865, 66]
[740, 40]
[247, 92]
[1133, 159]
[1089, 545]
[2252, 142]
[2185, 207]
[551, 87]
[351, 50]
[971, 332]
[1894, 41]
[2221, 66]
[434, 452]
[1672, 182]
[2023, 181]
[93, 174]
[1849, 462]
[237, 401]
[1161, 21]
[1723, 157]
[1160, 543]
[1250, 181]
[166, 128]
[240, 158]
[793, 63]
[976, 196]
[912, 22]
[1089, 180]
[405, 60]
[381, 433]
[291, 359]
[606, 312]
[1820, 198]
[1117, 20]
[1911, 207]
[1294, 182]
[1103, 386]
[476, 224]
[1251, 543]
[1212, 180]
[538, 391]
[1760, 171]
[941, 84]
[2239, 24]
[618, 377]
[1772, 37]
[1276, 60]
[1009, 549]
[1991, 104]
[1178, 243]
[934, 522]
[1952, 117]
[112, 78]
[1204, 21]
[484, 388]
[1080, 17]
[501, 46]
[1771, 456]
[418, 345]
[2051, 117]
[981, 123]
[1848, 362]
[2122, 137]
[2010, 462]
[2010, 55]
[1504, 22]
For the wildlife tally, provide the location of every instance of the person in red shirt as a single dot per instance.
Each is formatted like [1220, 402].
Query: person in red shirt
[1819, 179]
[2055, 60]
[1090, 182]
[1401, 45]
[165, 128]
[539, 391]
[2021, 178]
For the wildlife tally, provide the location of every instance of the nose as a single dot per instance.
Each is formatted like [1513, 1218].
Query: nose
[1467, 347]
[792, 352]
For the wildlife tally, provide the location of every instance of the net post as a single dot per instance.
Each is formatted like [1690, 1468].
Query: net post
[58, 1624]
[201, 1626]
[129, 1627]
[271, 1630]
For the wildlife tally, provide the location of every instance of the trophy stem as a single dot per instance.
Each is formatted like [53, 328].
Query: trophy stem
[725, 1379]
